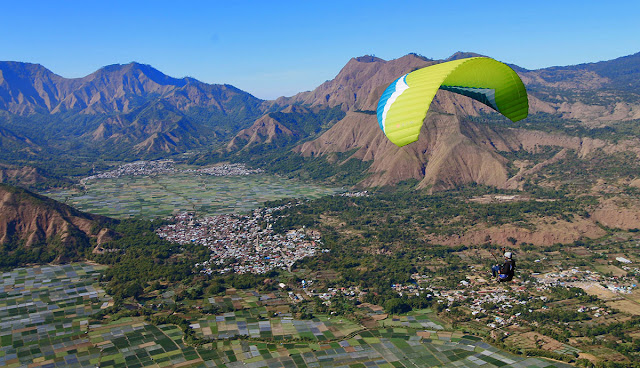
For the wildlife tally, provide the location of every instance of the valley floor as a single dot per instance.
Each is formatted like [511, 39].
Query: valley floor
[152, 196]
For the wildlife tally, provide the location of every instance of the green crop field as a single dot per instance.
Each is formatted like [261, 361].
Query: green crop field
[45, 313]
[163, 195]
[415, 319]
[252, 323]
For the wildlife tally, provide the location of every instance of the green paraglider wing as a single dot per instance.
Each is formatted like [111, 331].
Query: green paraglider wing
[404, 104]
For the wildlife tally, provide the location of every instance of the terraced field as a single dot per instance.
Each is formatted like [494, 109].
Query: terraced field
[162, 195]
[134, 343]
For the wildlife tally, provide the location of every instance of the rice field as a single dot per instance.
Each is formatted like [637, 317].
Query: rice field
[386, 348]
[414, 319]
[253, 324]
[45, 313]
[134, 343]
[163, 195]
[248, 299]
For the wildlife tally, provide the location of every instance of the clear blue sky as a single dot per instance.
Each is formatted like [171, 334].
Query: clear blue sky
[276, 48]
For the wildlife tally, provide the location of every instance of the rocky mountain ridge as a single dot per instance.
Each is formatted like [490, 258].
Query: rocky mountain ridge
[119, 111]
[452, 149]
[28, 88]
[31, 221]
[136, 111]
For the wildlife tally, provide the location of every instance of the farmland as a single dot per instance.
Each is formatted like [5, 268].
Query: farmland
[151, 196]
[47, 311]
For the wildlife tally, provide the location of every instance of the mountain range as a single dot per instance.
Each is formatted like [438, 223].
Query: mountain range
[127, 112]
[583, 125]
[118, 112]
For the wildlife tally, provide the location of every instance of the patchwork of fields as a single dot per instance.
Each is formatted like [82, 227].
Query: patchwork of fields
[163, 195]
[45, 313]
[280, 328]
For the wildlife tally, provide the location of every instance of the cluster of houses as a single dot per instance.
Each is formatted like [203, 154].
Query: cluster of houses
[242, 244]
[153, 168]
[148, 168]
[227, 170]
[589, 279]
[363, 193]
[477, 295]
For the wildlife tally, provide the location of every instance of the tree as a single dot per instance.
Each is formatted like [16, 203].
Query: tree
[396, 306]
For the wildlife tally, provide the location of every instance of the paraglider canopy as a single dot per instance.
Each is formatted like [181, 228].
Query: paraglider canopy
[404, 104]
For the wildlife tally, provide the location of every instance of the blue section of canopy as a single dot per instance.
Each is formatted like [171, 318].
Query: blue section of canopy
[382, 103]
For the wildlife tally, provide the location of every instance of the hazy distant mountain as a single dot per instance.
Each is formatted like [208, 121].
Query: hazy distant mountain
[622, 73]
[120, 111]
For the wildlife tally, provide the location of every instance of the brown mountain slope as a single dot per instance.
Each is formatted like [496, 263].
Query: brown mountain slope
[442, 157]
[28, 220]
[452, 149]
[265, 130]
[354, 84]
[547, 231]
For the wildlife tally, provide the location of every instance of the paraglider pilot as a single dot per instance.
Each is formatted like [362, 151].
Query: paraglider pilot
[506, 271]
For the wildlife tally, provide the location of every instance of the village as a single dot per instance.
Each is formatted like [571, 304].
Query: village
[247, 244]
[498, 305]
[226, 170]
[553, 308]
[495, 303]
[135, 169]
[160, 167]
[240, 244]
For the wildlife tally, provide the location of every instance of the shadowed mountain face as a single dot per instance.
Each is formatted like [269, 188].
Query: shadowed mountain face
[29, 177]
[34, 228]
